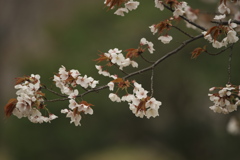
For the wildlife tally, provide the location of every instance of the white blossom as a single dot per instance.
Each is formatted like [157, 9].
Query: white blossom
[222, 8]
[159, 4]
[232, 36]
[120, 11]
[74, 94]
[219, 17]
[114, 97]
[165, 39]
[217, 44]
[131, 5]
[111, 86]
[74, 73]
[143, 41]
[153, 29]
[151, 113]
[141, 93]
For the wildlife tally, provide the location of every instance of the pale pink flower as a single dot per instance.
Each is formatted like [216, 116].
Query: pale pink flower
[153, 29]
[114, 97]
[143, 41]
[131, 5]
[158, 4]
[222, 8]
[141, 93]
[74, 94]
[63, 73]
[111, 86]
[219, 17]
[83, 81]
[120, 11]
[165, 39]
[74, 73]
[151, 113]
[217, 44]
[232, 36]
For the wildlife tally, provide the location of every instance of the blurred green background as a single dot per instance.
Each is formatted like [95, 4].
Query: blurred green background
[40, 36]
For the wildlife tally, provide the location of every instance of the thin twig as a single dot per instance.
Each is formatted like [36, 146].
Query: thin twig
[121, 69]
[229, 64]
[54, 92]
[59, 99]
[139, 71]
[152, 82]
[164, 57]
[182, 31]
[215, 54]
[226, 23]
[151, 62]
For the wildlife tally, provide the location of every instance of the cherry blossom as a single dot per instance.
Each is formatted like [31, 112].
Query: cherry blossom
[159, 4]
[225, 100]
[222, 8]
[219, 17]
[131, 5]
[120, 11]
[165, 39]
[114, 97]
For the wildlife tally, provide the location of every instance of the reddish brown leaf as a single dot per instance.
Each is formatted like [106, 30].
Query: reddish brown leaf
[9, 107]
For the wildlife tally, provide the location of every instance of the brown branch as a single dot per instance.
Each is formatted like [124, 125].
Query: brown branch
[152, 76]
[182, 31]
[215, 54]
[56, 100]
[54, 92]
[121, 69]
[164, 57]
[151, 67]
[151, 62]
[230, 64]
[226, 23]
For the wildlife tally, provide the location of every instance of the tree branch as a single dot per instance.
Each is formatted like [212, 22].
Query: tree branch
[215, 54]
[164, 57]
[226, 23]
[139, 71]
[151, 62]
[52, 91]
[182, 31]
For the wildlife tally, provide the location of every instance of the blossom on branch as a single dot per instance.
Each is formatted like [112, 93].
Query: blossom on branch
[165, 39]
[129, 5]
[30, 100]
[159, 4]
[226, 100]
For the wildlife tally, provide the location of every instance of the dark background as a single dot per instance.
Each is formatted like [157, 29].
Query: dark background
[39, 36]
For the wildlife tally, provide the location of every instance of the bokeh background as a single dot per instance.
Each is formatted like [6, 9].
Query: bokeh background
[40, 36]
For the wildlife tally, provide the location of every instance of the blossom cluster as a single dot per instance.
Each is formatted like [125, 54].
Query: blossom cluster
[116, 57]
[129, 5]
[139, 103]
[75, 110]
[226, 100]
[67, 81]
[159, 28]
[29, 100]
[216, 32]
[180, 9]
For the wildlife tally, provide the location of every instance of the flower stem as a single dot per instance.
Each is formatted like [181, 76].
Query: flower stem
[229, 64]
